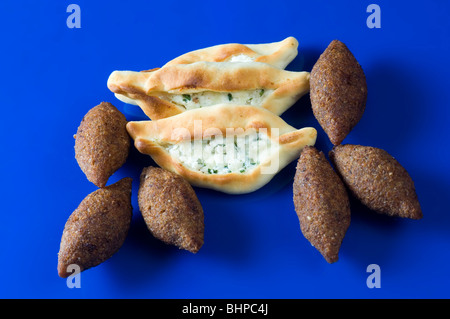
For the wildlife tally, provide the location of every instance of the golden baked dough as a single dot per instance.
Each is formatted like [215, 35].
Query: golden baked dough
[278, 54]
[174, 89]
[231, 148]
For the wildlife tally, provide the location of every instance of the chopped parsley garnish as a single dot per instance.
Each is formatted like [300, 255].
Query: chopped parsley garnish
[186, 97]
[200, 162]
[261, 92]
[230, 97]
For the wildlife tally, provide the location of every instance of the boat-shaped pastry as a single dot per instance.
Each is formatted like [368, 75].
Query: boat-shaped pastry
[230, 148]
[174, 89]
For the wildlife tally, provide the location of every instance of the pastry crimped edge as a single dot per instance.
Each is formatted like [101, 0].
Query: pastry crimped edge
[149, 136]
[142, 88]
[278, 54]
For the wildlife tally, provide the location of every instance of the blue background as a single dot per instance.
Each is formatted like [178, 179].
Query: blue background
[52, 75]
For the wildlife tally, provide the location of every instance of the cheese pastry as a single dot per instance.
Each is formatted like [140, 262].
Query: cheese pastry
[174, 89]
[230, 148]
[278, 54]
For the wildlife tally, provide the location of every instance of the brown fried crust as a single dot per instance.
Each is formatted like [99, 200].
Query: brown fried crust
[338, 91]
[97, 228]
[102, 143]
[377, 180]
[321, 203]
[171, 209]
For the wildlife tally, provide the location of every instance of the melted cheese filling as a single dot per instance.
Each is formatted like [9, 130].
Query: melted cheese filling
[209, 98]
[221, 155]
[241, 58]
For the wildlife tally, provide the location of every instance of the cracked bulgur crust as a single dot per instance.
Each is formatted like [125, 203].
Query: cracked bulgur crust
[338, 91]
[171, 209]
[97, 228]
[102, 143]
[321, 203]
[377, 179]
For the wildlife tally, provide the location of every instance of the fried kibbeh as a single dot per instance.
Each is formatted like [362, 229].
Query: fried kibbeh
[171, 209]
[177, 88]
[377, 179]
[338, 91]
[321, 202]
[102, 143]
[96, 230]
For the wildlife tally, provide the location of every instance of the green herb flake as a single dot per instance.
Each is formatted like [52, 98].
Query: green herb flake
[230, 97]
[200, 162]
[186, 97]
[261, 92]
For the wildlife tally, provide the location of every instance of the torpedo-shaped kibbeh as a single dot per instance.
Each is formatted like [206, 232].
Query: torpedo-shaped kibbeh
[338, 91]
[171, 209]
[102, 143]
[236, 149]
[321, 203]
[97, 228]
[377, 179]
[278, 54]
